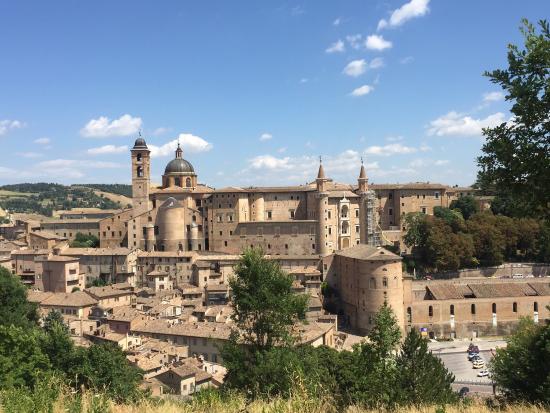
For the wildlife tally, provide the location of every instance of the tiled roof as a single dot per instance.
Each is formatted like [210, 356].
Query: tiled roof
[96, 251]
[501, 290]
[445, 291]
[368, 252]
[107, 291]
[76, 299]
[203, 330]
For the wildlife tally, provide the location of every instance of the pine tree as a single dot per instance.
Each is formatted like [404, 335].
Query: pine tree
[422, 378]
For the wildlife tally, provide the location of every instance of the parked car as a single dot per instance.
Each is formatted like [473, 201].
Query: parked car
[478, 364]
[473, 356]
[483, 373]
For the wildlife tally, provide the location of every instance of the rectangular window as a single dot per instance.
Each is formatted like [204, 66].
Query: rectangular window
[423, 210]
[357, 228]
[436, 195]
[269, 215]
[390, 211]
[291, 214]
[357, 213]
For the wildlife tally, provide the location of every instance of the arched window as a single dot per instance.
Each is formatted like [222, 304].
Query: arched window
[535, 306]
[177, 182]
[409, 314]
[430, 311]
[372, 283]
[139, 157]
[515, 307]
[473, 308]
[180, 247]
[345, 227]
[345, 211]
[188, 182]
[452, 309]
[140, 171]
[494, 308]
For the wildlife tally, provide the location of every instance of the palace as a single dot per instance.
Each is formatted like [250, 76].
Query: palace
[314, 219]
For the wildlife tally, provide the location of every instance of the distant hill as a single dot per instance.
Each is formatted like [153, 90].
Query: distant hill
[44, 198]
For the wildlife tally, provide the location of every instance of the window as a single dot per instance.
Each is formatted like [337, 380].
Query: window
[385, 282]
[436, 195]
[344, 212]
[188, 182]
[409, 314]
[357, 229]
[430, 311]
[390, 195]
[269, 214]
[515, 307]
[535, 306]
[357, 213]
[423, 210]
[292, 214]
[177, 182]
[473, 308]
[328, 214]
[140, 171]
[390, 211]
[139, 157]
[452, 309]
[494, 307]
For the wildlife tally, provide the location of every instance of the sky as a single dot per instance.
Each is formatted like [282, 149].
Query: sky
[255, 91]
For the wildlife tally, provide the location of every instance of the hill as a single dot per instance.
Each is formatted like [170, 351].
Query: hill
[44, 198]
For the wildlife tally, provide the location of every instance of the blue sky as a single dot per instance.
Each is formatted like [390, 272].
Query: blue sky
[254, 90]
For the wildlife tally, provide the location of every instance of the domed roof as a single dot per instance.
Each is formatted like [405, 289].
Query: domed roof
[140, 143]
[170, 202]
[179, 165]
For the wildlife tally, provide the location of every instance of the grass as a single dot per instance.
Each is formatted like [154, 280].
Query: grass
[12, 194]
[47, 399]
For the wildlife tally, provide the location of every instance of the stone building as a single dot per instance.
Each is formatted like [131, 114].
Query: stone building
[58, 274]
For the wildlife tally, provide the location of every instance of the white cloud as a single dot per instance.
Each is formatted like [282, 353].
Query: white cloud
[376, 63]
[457, 124]
[107, 149]
[406, 60]
[425, 148]
[337, 21]
[336, 47]
[190, 143]
[390, 149]
[160, 131]
[493, 97]
[42, 141]
[354, 40]
[394, 138]
[376, 42]
[362, 90]
[103, 127]
[355, 68]
[266, 136]
[7, 125]
[410, 10]
[421, 163]
[30, 154]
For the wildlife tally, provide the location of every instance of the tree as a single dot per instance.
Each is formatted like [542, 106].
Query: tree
[85, 241]
[21, 358]
[54, 317]
[467, 206]
[265, 306]
[452, 217]
[14, 307]
[105, 367]
[489, 242]
[522, 369]
[422, 378]
[515, 163]
[259, 354]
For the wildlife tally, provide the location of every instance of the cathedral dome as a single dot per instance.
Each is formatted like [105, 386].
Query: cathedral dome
[140, 143]
[179, 166]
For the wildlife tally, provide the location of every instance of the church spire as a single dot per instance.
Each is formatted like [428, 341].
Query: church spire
[179, 151]
[363, 181]
[321, 173]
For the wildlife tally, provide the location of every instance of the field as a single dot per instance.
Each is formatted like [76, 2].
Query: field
[13, 194]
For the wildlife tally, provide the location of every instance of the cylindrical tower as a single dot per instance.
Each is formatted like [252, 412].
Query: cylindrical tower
[194, 236]
[322, 206]
[171, 226]
[149, 237]
[363, 190]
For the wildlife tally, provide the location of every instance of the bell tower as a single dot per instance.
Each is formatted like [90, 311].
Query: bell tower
[141, 172]
[322, 207]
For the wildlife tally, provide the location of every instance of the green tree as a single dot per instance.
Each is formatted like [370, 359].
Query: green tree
[467, 206]
[422, 378]
[15, 309]
[54, 317]
[85, 241]
[259, 355]
[105, 367]
[452, 217]
[522, 369]
[21, 359]
[57, 345]
[515, 163]
[489, 242]
[265, 306]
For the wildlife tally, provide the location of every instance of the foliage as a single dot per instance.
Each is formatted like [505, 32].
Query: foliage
[515, 163]
[53, 318]
[119, 189]
[522, 369]
[265, 306]
[14, 307]
[21, 357]
[423, 378]
[85, 241]
[467, 206]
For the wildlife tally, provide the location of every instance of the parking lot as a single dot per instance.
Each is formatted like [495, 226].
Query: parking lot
[459, 365]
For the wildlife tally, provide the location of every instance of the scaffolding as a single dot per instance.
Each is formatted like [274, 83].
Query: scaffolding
[373, 229]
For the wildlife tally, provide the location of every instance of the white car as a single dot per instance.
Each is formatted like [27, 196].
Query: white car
[483, 373]
[479, 364]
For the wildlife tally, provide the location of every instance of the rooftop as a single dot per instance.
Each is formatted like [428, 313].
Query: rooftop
[368, 252]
